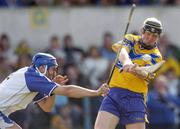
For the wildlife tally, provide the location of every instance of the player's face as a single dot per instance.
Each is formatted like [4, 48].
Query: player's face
[149, 38]
[52, 72]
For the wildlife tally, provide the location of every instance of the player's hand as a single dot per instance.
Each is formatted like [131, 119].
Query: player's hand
[136, 70]
[147, 73]
[61, 79]
[142, 73]
[103, 90]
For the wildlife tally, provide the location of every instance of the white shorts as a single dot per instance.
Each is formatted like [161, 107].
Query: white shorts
[5, 121]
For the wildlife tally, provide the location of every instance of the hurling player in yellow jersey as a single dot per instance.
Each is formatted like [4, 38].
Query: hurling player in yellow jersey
[125, 103]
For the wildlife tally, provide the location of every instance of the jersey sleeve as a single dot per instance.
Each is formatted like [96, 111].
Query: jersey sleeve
[128, 42]
[39, 97]
[39, 83]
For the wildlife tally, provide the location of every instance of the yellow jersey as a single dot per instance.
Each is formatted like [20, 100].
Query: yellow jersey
[138, 55]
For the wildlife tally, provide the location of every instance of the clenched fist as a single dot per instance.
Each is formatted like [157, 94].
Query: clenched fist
[103, 90]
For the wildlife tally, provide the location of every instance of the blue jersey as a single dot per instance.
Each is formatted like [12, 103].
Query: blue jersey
[22, 87]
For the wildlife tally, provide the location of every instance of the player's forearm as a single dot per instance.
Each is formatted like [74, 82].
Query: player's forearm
[124, 57]
[47, 104]
[75, 91]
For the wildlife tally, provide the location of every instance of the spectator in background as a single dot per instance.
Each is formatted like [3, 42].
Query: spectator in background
[72, 54]
[65, 113]
[23, 61]
[76, 112]
[94, 67]
[23, 54]
[4, 43]
[173, 83]
[106, 50]
[55, 49]
[57, 122]
[167, 48]
[76, 115]
[171, 54]
[171, 68]
[6, 50]
[71, 109]
[54, 46]
[5, 69]
[6, 57]
[162, 106]
[23, 48]
[74, 75]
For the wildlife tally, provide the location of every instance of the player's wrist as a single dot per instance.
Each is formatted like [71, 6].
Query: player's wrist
[98, 93]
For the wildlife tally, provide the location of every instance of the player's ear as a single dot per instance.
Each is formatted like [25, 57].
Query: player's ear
[52, 70]
[142, 31]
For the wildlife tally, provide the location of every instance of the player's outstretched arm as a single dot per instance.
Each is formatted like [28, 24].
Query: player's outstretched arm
[47, 103]
[75, 91]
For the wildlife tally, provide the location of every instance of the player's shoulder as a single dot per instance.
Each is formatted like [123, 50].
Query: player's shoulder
[20, 71]
[32, 74]
[131, 37]
[31, 71]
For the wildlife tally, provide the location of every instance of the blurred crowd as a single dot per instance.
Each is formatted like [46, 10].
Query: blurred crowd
[70, 3]
[91, 68]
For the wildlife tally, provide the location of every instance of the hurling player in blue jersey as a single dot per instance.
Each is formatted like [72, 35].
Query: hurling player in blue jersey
[38, 83]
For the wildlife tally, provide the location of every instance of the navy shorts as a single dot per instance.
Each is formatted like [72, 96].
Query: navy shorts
[5, 121]
[128, 106]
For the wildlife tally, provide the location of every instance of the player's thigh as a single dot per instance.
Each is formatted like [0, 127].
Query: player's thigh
[106, 120]
[140, 125]
[15, 126]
